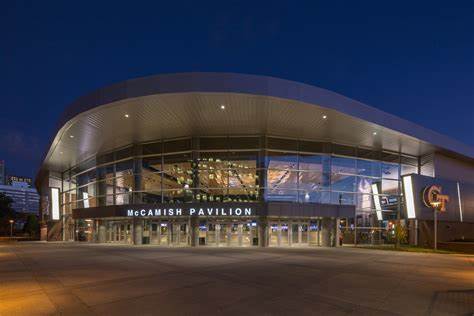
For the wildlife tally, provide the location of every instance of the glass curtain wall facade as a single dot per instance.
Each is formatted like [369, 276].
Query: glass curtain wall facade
[240, 169]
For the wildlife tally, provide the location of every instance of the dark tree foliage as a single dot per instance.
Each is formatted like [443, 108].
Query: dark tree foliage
[6, 213]
[32, 226]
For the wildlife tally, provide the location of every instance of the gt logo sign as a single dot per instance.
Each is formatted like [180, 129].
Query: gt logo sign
[433, 197]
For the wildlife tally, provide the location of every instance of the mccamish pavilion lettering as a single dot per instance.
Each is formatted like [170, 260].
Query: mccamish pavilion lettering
[234, 160]
[208, 211]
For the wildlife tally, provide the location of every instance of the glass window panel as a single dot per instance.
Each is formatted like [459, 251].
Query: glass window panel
[152, 148]
[213, 179]
[281, 143]
[122, 197]
[124, 153]
[105, 158]
[242, 194]
[340, 165]
[124, 182]
[282, 161]
[368, 154]
[369, 168]
[212, 161]
[151, 181]
[365, 201]
[389, 187]
[342, 198]
[314, 147]
[152, 164]
[177, 195]
[86, 177]
[177, 145]
[364, 185]
[213, 143]
[343, 150]
[281, 194]
[242, 178]
[390, 157]
[311, 162]
[342, 182]
[178, 171]
[244, 142]
[323, 197]
[311, 181]
[390, 170]
[279, 179]
[408, 169]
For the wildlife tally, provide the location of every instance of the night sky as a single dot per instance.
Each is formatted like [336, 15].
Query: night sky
[414, 59]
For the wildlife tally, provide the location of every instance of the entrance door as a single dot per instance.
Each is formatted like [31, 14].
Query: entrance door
[274, 240]
[295, 234]
[249, 234]
[284, 239]
[223, 234]
[164, 232]
[155, 233]
[313, 233]
[235, 234]
[211, 235]
[304, 234]
[179, 233]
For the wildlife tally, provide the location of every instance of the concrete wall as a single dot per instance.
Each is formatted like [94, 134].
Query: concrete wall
[447, 231]
[453, 169]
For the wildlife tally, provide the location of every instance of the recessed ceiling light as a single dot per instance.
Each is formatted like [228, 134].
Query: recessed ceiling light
[374, 133]
[325, 117]
[127, 116]
[222, 107]
[71, 136]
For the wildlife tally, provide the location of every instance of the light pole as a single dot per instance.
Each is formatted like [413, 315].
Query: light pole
[11, 227]
[435, 206]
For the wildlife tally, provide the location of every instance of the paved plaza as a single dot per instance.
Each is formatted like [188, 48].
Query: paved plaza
[82, 279]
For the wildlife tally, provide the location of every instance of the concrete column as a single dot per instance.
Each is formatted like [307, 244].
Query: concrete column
[102, 232]
[240, 230]
[194, 230]
[137, 231]
[262, 232]
[337, 231]
[327, 231]
[170, 232]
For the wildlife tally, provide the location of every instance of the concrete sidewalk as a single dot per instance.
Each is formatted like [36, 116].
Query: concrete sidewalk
[82, 279]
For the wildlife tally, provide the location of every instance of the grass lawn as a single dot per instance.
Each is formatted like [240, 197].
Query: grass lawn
[405, 248]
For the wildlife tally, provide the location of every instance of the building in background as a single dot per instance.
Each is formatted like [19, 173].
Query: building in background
[18, 180]
[209, 159]
[2, 172]
[25, 198]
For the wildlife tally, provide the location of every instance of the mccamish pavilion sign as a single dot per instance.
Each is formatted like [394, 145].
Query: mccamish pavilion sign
[192, 211]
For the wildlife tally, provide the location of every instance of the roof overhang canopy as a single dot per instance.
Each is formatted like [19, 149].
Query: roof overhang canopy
[179, 105]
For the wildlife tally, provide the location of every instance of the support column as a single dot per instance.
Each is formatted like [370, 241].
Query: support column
[327, 232]
[102, 231]
[194, 228]
[337, 231]
[262, 232]
[137, 231]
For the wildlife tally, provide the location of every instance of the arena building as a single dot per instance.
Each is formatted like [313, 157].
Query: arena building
[219, 159]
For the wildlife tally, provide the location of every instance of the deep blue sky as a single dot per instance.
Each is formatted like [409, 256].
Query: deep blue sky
[414, 59]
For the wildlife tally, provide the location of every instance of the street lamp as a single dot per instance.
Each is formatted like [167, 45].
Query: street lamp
[11, 227]
[435, 205]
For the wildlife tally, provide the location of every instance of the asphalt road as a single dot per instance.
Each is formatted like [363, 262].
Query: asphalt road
[81, 279]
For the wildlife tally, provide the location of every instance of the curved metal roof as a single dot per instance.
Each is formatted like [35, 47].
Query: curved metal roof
[185, 104]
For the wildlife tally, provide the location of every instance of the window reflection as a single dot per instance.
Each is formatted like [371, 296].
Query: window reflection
[226, 169]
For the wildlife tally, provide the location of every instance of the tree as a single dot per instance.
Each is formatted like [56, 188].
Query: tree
[401, 234]
[7, 213]
[32, 226]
